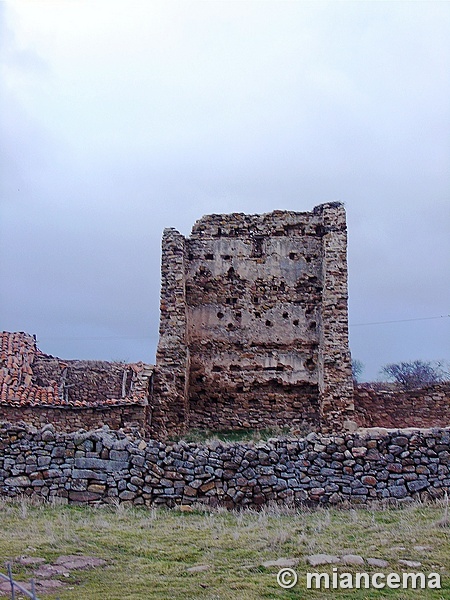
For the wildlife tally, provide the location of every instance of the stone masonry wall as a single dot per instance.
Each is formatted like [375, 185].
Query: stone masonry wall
[28, 377]
[292, 410]
[39, 388]
[81, 380]
[253, 292]
[335, 370]
[253, 328]
[170, 397]
[104, 466]
[72, 419]
[424, 407]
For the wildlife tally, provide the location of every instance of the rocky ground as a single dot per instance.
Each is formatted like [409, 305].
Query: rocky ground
[49, 577]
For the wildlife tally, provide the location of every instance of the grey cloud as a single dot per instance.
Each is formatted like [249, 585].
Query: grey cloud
[224, 107]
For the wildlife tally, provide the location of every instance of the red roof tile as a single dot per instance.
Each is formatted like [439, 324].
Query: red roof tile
[20, 384]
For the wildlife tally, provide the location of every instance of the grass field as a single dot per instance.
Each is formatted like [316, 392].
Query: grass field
[148, 551]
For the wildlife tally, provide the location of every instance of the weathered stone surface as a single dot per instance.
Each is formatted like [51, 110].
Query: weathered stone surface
[377, 562]
[100, 464]
[127, 495]
[48, 436]
[30, 560]
[88, 474]
[97, 488]
[398, 491]
[119, 455]
[369, 480]
[19, 481]
[281, 562]
[50, 570]
[60, 567]
[417, 485]
[83, 496]
[322, 559]
[48, 585]
[359, 452]
[352, 559]
[412, 564]
[76, 562]
[199, 568]
[287, 470]
[259, 303]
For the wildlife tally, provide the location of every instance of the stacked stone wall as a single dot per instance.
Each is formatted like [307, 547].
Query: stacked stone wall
[108, 467]
[295, 408]
[71, 419]
[170, 413]
[83, 380]
[39, 388]
[423, 407]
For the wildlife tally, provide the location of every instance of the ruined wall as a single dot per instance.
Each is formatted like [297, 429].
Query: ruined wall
[254, 317]
[39, 388]
[424, 407]
[169, 397]
[81, 381]
[335, 371]
[253, 291]
[105, 466]
[72, 419]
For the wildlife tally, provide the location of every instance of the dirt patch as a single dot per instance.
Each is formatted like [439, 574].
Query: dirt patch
[47, 575]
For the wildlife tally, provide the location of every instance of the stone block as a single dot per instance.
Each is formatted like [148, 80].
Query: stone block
[100, 464]
[83, 496]
[19, 481]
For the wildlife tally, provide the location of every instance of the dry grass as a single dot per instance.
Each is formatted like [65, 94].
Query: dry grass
[149, 550]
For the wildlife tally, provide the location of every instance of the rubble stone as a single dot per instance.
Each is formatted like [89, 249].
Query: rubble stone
[283, 471]
[253, 326]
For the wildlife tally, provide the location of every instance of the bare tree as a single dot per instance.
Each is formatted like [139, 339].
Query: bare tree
[414, 374]
[357, 369]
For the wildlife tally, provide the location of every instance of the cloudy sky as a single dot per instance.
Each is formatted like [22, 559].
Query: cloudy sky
[120, 118]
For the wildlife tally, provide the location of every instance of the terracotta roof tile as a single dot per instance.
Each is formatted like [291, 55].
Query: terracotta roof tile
[20, 384]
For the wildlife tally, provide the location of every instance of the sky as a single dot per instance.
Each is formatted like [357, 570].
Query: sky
[121, 118]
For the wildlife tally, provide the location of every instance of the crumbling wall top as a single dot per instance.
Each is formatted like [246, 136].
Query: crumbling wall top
[277, 222]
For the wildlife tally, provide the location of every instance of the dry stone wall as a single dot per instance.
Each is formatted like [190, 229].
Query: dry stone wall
[104, 466]
[69, 419]
[81, 381]
[423, 407]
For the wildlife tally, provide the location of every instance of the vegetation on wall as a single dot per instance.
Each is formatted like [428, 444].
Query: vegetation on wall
[415, 374]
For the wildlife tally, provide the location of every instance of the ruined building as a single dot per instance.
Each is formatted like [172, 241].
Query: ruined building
[253, 334]
[39, 388]
[253, 324]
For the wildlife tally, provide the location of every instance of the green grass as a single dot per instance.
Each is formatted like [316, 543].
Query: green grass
[148, 551]
[234, 435]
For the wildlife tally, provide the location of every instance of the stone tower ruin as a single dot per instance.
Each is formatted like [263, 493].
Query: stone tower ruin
[253, 324]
